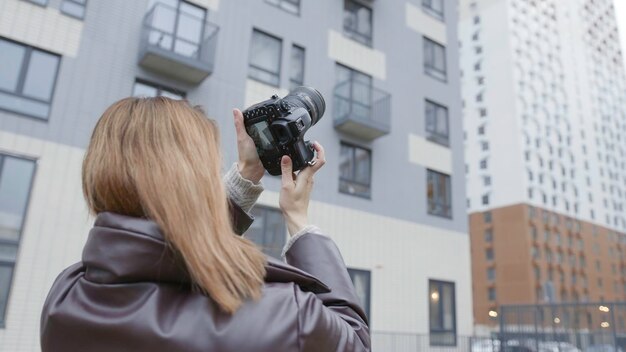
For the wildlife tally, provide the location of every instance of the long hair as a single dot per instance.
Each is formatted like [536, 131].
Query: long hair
[160, 159]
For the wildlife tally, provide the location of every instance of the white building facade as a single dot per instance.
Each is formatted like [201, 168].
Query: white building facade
[392, 194]
[544, 90]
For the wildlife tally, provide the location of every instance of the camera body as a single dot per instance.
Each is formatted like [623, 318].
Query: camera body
[277, 127]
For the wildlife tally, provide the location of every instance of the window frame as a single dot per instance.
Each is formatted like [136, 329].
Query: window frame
[279, 6]
[159, 87]
[428, 69]
[434, 136]
[292, 83]
[75, 2]
[448, 182]
[28, 51]
[280, 60]
[35, 161]
[354, 147]
[34, 2]
[350, 33]
[431, 330]
[426, 6]
[368, 273]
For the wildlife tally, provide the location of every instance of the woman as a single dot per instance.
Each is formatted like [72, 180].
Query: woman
[164, 270]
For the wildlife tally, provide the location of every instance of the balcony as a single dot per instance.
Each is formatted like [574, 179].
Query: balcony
[362, 111]
[178, 44]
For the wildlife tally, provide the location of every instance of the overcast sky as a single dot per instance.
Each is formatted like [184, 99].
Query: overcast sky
[620, 13]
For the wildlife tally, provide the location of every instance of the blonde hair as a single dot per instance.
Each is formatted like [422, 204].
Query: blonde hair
[160, 158]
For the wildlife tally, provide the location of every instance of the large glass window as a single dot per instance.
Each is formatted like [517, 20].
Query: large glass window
[178, 26]
[435, 59]
[296, 74]
[16, 177]
[357, 22]
[361, 279]
[439, 194]
[437, 123]
[27, 79]
[74, 8]
[268, 230]
[355, 169]
[292, 6]
[433, 7]
[353, 93]
[442, 312]
[145, 89]
[265, 51]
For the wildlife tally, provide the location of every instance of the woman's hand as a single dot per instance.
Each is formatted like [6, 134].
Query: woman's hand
[249, 164]
[296, 191]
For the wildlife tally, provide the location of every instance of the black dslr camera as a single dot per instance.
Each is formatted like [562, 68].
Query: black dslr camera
[277, 127]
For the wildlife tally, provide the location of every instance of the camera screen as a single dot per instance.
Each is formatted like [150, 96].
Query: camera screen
[262, 136]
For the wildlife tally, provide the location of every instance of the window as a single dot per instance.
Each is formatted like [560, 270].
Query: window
[485, 199]
[489, 253]
[433, 7]
[178, 26]
[487, 217]
[434, 59]
[533, 233]
[437, 123]
[268, 230]
[296, 72]
[491, 293]
[439, 194]
[483, 164]
[491, 274]
[442, 313]
[488, 235]
[357, 22]
[265, 51]
[536, 254]
[74, 8]
[16, 177]
[292, 6]
[355, 169]
[361, 279]
[145, 89]
[353, 93]
[27, 79]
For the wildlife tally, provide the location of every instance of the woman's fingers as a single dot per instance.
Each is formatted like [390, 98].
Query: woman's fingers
[320, 159]
[287, 172]
[239, 127]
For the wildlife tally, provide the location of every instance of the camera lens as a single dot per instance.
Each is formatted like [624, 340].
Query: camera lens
[309, 98]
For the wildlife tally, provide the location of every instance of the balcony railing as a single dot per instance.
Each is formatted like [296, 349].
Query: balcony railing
[361, 110]
[178, 44]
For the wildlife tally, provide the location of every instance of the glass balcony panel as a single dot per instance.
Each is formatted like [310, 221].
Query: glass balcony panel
[178, 42]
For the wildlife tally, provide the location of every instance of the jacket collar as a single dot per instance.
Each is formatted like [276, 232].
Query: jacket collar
[123, 249]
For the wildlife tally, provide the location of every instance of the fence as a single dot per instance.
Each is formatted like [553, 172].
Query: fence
[406, 342]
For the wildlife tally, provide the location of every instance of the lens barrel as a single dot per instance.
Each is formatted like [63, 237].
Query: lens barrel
[310, 99]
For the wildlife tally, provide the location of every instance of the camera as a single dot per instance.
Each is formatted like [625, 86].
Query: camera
[277, 127]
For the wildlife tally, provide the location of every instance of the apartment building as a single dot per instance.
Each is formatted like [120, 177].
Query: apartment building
[392, 194]
[545, 138]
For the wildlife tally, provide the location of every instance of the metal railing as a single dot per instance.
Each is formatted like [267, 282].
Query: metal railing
[362, 102]
[575, 326]
[161, 29]
[408, 342]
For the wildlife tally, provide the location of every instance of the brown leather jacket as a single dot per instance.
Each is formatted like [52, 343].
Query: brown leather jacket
[130, 293]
